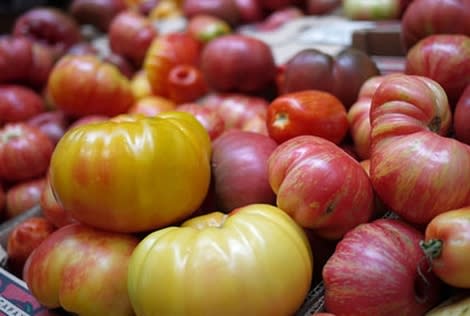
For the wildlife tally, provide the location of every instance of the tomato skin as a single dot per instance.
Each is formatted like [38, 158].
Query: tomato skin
[25, 152]
[85, 85]
[165, 52]
[374, 271]
[299, 167]
[186, 83]
[151, 105]
[23, 195]
[309, 112]
[133, 173]
[24, 238]
[19, 103]
[447, 243]
[217, 250]
[416, 169]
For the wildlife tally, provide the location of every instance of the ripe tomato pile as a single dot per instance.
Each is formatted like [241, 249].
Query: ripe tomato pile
[187, 172]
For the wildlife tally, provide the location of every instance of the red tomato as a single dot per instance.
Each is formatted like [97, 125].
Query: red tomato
[321, 186]
[447, 244]
[24, 238]
[164, 53]
[152, 105]
[416, 170]
[23, 196]
[186, 84]
[2, 199]
[236, 109]
[25, 152]
[462, 117]
[85, 85]
[208, 117]
[309, 112]
[52, 209]
[19, 103]
[374, 271]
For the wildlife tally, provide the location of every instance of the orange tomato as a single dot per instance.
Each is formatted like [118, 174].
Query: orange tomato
[447, 244]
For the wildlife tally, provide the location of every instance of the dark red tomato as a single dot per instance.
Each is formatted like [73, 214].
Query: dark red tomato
[25, 152]
[19, 103]
[24, 196]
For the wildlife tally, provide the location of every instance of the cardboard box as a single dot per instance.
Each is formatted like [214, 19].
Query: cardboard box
[17, 300]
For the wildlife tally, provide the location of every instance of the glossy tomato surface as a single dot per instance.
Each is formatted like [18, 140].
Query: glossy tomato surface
[223, 262]
[133, 173]
[447, 245]
[309, 112]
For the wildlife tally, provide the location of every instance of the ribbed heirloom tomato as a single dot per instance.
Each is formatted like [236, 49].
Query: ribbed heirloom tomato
[132, 173]
[253, 261]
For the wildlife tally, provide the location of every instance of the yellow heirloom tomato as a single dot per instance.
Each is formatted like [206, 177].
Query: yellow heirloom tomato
[253, 261]
[132, 173]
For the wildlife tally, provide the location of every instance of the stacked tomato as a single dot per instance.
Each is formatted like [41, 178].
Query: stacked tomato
[188, 172]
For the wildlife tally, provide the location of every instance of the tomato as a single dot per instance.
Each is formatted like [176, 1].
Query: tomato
[132, 173]
[24, 238]
[379, 269]
[51, 209]
[2, 200]
[320, 185]
[186, 84]
[82, 270]
[415, 168]
[447, 244]
[140, 85]
[253, 261]
[152, 105]
[208, 117]
[165, 52]
[19, 103]
[309, 112]
[85, 85]
[25, 152]
[23, 195]
[236, 109]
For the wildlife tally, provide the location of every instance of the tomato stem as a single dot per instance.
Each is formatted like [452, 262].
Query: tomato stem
[435, 124]
[432, 248]
[10, 134]
[281, 120]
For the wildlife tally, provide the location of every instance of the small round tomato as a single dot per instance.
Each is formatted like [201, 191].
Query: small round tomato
[23, 195]
[308, 112]
[85, 85]
[19, 103]
[25, 152]
[447, 244]
[165, 52]
[186, 83]
[132, 173]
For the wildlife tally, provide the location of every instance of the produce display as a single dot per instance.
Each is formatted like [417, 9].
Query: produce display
[181, 169]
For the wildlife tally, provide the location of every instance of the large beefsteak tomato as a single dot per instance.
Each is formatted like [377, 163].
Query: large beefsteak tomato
[320, 185]
[415, 168]
[133, 173]
[253, 261]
